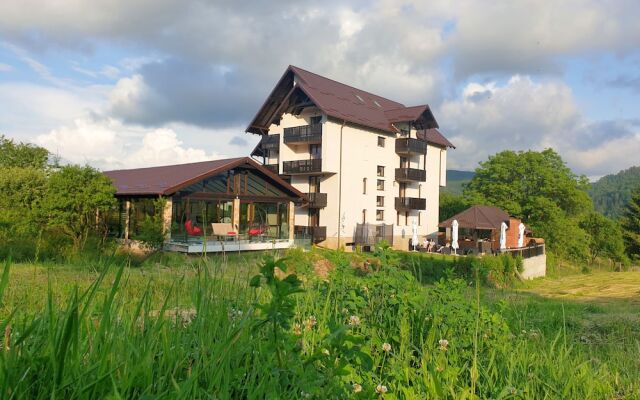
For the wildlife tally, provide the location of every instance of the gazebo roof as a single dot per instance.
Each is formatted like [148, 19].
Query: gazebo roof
[478, 217]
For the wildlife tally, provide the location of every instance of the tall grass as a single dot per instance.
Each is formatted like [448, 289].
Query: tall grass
[199, 333]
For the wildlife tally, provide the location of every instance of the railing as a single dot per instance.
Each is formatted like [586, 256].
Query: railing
[272, 167]
[410, 146]
[411, 174]
[410, 203]
[316, 233]
[526, 252]
[370, 235]
[302, 166]
[270, 142]
[303, 134]
[317, 200]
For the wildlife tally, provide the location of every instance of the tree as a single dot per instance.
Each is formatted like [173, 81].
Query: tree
[541, 190]
[22, 155]
[631, 225]
[74, 196]
[450, 205]
[22, 192]
[605, 237]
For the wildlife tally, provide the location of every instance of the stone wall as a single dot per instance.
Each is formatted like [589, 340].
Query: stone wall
[534, 267]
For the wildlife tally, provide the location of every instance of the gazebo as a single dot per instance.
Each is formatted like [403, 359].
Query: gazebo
[479, 229]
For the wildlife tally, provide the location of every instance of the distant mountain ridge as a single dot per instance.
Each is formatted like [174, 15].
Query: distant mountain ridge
[611, 193]
[455, 180]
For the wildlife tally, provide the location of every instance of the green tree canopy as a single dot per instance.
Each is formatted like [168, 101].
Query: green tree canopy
[451, 204]
[631, 225]
[541, 190]
[74, 195]
[22, 155]
[605, 237]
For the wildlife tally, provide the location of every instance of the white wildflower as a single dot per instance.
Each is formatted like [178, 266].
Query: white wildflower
[354, 320]
[357, 388]
[381, 389]
[444, 344]
[386, 347]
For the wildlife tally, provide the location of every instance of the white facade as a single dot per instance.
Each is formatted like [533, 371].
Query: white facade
[351, 155]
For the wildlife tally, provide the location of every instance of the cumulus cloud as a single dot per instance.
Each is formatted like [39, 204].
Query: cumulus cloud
[522, 114]
[108, 144]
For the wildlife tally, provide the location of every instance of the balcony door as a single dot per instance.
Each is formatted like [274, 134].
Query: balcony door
[314, 217]
[404, 162]
[402, 191]
[314, 184]
[315, 151]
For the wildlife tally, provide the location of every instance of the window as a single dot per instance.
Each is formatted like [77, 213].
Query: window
[364, 215]
[359, 98]
[315, 120]
[377, 104]
[406, 217]
[380, 201]
[381, 141]
[404, 132]
[315, 150]
[380, 184]
[364, 185]
[419, 218]
[380, 170]
[404, 162]
[398, 218]
[379, 215]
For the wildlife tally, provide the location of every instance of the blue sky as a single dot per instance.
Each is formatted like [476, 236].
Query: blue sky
[117, 83]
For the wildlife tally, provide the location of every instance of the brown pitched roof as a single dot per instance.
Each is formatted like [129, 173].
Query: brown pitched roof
[339, 101]
[434, 136]
[478, 217]
[168, 179]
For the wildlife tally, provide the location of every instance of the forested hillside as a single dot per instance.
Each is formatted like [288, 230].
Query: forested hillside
[611, 193]
[455, 180]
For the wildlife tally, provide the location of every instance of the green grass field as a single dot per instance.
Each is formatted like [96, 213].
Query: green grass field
[181, 327]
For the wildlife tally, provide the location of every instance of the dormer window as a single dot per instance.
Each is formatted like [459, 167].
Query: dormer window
[360, 98]
[316, 120]
[377, 104]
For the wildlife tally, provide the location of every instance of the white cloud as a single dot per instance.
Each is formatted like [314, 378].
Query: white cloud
[5, 67]
[522, 114]
[109, 144]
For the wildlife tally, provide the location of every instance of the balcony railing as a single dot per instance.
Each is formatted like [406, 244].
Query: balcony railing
[411, 175]
[317, 200]
[302, 166]
[272, 167]
[370, 234]
[408, 146]
[315, 233]
[303, 134]
[270, 142]
[410, 203]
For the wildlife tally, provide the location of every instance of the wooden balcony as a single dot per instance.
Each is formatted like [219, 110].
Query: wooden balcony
[410, 146]
[272, 167]
[305, 134]
[302, 167]
[315, 233]
[270, 142]
[317, 200]
[410, 203]
[411, 175]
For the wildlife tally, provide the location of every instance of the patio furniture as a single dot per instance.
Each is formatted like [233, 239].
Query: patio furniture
[192, 230]
[224, 230]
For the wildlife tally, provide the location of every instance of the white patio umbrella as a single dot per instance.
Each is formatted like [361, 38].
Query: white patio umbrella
[521, 235]
[454, 235]
[414, 238]
[503, 236]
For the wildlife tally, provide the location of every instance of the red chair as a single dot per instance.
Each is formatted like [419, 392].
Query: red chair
[192, 230]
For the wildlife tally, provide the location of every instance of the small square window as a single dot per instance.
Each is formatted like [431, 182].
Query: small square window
[381, 141]
[315, 120]
[380, 201]
[380, 184]
[379, 215]
[380, 170]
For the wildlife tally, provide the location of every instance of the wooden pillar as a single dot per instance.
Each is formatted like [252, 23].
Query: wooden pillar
[167, 214]
[127, 217]
[292, 215]
[236, 214]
